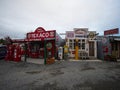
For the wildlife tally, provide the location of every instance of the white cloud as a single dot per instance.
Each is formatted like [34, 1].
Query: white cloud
[62, 15]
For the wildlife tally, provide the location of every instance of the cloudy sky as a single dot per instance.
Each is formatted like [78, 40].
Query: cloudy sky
[17, 17]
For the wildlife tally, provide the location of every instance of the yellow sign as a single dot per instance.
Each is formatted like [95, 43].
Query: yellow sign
[65, 49]
[91, 35]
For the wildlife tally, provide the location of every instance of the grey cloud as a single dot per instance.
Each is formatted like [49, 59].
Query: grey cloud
[62, 15]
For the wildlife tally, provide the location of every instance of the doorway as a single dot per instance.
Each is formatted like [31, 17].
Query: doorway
[91, 48]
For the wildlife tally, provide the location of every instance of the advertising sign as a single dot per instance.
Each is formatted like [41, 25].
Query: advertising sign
[104, 40]
[80, 32]
[49, 45]
[70, 34]
[112, 31]
[65, 49]
[91, 34]
[60, 53]
[40, 34]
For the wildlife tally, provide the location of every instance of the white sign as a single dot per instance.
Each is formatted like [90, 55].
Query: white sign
[80, 32]
[117, 39]
[104, 40]
[70, 34]
[92, 34]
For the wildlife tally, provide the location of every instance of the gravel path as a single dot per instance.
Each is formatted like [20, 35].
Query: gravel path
[62, 75]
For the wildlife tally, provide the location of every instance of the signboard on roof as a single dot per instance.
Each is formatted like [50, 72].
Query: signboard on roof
[80, 32]
[40, 34]
[112, 31]
[70, 34]
[92, 34]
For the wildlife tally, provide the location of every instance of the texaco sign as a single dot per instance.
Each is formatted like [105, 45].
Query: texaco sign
[40, 34]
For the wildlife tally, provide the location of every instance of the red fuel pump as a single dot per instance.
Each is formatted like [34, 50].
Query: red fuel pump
[10, 51]
[17, 53]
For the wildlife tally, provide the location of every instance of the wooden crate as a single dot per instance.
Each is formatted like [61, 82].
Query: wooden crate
[50, 61]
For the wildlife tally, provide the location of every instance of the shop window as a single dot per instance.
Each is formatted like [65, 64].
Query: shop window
[72, 44]
[79, 45]
[83, 40]
[79, 40]
[83, 45]
[70, 41]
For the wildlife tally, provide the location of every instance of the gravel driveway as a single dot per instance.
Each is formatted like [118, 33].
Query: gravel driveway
[62, 75]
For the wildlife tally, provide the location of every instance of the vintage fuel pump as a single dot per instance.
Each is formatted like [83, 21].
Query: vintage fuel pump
[17, 53]
[10, 52]
[66, 52]
[60, 53]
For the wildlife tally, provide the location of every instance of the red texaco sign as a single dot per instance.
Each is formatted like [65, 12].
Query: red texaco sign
[112, 31]
[40, 34]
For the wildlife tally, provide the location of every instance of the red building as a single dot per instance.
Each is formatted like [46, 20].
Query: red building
[41, 40]
[38, 41]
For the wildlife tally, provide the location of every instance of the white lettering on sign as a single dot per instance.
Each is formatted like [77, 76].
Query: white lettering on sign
[38, 35]
[41, 35]
[51, 34]
[47, 34]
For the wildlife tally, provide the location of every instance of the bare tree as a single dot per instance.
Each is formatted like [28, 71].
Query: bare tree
[8, 40]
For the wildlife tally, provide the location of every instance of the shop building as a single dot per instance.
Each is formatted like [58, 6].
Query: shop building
[82, 43]
[41, 43]
[109, 45]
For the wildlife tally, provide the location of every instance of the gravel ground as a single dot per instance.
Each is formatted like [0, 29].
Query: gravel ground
[62, 75]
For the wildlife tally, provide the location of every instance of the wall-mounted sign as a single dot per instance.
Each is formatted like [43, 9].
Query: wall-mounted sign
[40, 34]
[104, 40]
[117, 39]
[49, 45]
[80, 32]
[65, 49]
[112, 31]
[91, 34]
[70, 34]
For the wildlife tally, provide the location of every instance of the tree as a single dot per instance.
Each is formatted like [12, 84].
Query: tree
[2, 41]
[8, 40]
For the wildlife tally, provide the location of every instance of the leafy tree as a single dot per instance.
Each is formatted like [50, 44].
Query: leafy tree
[2, 41]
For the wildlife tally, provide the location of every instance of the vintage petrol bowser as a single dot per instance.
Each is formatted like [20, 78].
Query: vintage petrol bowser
[10, 52]
[17, 53]
[60, 53]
